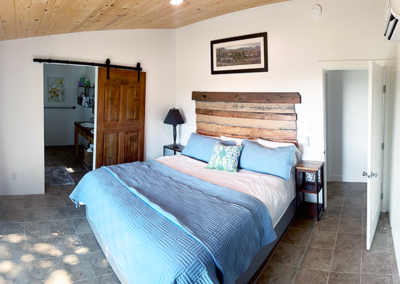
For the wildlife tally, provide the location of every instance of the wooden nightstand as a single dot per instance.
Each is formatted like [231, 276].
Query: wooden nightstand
[310, 179]
[169, 147]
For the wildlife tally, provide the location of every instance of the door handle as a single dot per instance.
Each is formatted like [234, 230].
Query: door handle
[366, 174]
[374, 174]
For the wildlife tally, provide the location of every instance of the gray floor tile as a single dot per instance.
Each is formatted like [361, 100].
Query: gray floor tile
[311, 276]
[379, 243]
[54, 201]
[12, 233]
[327, 225]
[68, 245]
[35, 215]
[277, 273]
[356, 193]
[346, 261]
[82, 226]
[332, 212]
[376, 279]
[396, 279]
[68, 201]
[353, 202]
[39, 248]
[350, 226]
[376, 263]
[317, 259]
[13, 204]
[99, 263]
[77, 212]
[43, 271]
[353, 213]
[53, 191]
[10, 251]
[57, 213]
[74, 268]
[34, 230]
[297, 236]
[61, 228]
[393, 261]
[288, 254]
[12, 272]
[33, 202]
[108, 279]
[348, 242]
[344, 278]
[89, 242]
[324, 240]
[304, 223]
[11, 216]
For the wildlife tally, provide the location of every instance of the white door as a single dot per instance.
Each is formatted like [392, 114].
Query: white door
[375, 98]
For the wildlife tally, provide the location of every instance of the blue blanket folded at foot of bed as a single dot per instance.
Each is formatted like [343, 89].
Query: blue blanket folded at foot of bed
[163, 226]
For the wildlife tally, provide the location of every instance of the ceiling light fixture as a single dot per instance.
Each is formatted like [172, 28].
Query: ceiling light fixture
[175, 2]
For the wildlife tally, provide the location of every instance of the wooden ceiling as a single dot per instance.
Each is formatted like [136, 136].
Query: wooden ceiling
[30, 18]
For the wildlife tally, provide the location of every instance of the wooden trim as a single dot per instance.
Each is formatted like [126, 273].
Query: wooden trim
[245, 131]
[214, 134]
[247, 107]
[245, 122]
[281, 98]
[250, 115]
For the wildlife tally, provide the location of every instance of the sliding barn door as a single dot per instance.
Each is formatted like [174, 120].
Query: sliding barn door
[120, 117]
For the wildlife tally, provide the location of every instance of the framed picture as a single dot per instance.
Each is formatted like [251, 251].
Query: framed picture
[241, 54]
[56, 89]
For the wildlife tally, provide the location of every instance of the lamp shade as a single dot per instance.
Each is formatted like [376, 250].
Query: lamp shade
[174, 117]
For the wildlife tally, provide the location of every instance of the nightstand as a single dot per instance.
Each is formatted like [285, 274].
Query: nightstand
[310, 179]
[169, 147]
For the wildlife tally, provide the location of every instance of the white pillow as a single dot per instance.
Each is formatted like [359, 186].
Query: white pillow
[238, 141]
[272, 145]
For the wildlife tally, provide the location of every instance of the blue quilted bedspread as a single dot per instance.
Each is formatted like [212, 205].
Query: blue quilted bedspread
[163, 226]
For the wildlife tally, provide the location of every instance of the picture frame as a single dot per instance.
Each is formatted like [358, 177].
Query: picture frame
[56, 89]
[241, 54]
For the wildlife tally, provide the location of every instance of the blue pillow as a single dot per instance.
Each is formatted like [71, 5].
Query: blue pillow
[277, 162]
[202, 148]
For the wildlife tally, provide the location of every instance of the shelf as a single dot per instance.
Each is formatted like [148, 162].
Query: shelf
[309, 208]
[309, 188]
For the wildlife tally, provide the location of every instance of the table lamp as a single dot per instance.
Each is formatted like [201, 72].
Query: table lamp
[174, 118]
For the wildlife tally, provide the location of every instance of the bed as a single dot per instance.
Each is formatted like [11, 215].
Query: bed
[192, 245]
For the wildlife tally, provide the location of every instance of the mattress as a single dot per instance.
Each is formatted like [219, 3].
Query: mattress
[274, 192]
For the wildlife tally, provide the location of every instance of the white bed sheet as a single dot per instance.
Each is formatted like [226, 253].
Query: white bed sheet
[274, 192]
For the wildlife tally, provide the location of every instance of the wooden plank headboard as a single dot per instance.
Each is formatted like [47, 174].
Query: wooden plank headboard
[270, 116]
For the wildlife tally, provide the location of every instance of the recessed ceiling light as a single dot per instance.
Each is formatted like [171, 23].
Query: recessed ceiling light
[175, 2]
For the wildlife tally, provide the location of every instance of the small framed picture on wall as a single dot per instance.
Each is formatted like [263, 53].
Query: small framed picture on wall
[241, 54]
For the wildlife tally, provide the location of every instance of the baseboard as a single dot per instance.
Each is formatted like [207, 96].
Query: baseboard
[347, 178]
[396, 242]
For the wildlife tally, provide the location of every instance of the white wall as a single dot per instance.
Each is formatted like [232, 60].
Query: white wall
[21, 93]
[394, 156]
[346, 30]
[347, 125]
[59, 123]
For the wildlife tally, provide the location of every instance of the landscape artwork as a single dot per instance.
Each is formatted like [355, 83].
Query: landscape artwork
[56, 89]
[242, 54]
[239, 54]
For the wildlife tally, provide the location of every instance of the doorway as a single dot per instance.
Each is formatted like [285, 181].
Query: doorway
[69, 99]
[372, 205]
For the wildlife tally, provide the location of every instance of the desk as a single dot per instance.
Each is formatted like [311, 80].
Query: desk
[84, 132]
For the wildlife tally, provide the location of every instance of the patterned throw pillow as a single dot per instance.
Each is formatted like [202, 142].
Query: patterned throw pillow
[225, 158]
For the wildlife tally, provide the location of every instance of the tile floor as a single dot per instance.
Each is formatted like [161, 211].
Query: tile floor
[333, 250]
[46, 239]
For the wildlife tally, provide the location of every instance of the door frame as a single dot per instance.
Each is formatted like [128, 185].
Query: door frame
[324, 66]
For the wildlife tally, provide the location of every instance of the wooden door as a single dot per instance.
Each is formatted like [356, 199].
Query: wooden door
[120, 117]
[375, 100]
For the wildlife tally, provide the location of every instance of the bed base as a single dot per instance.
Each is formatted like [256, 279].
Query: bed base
[244, 278]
